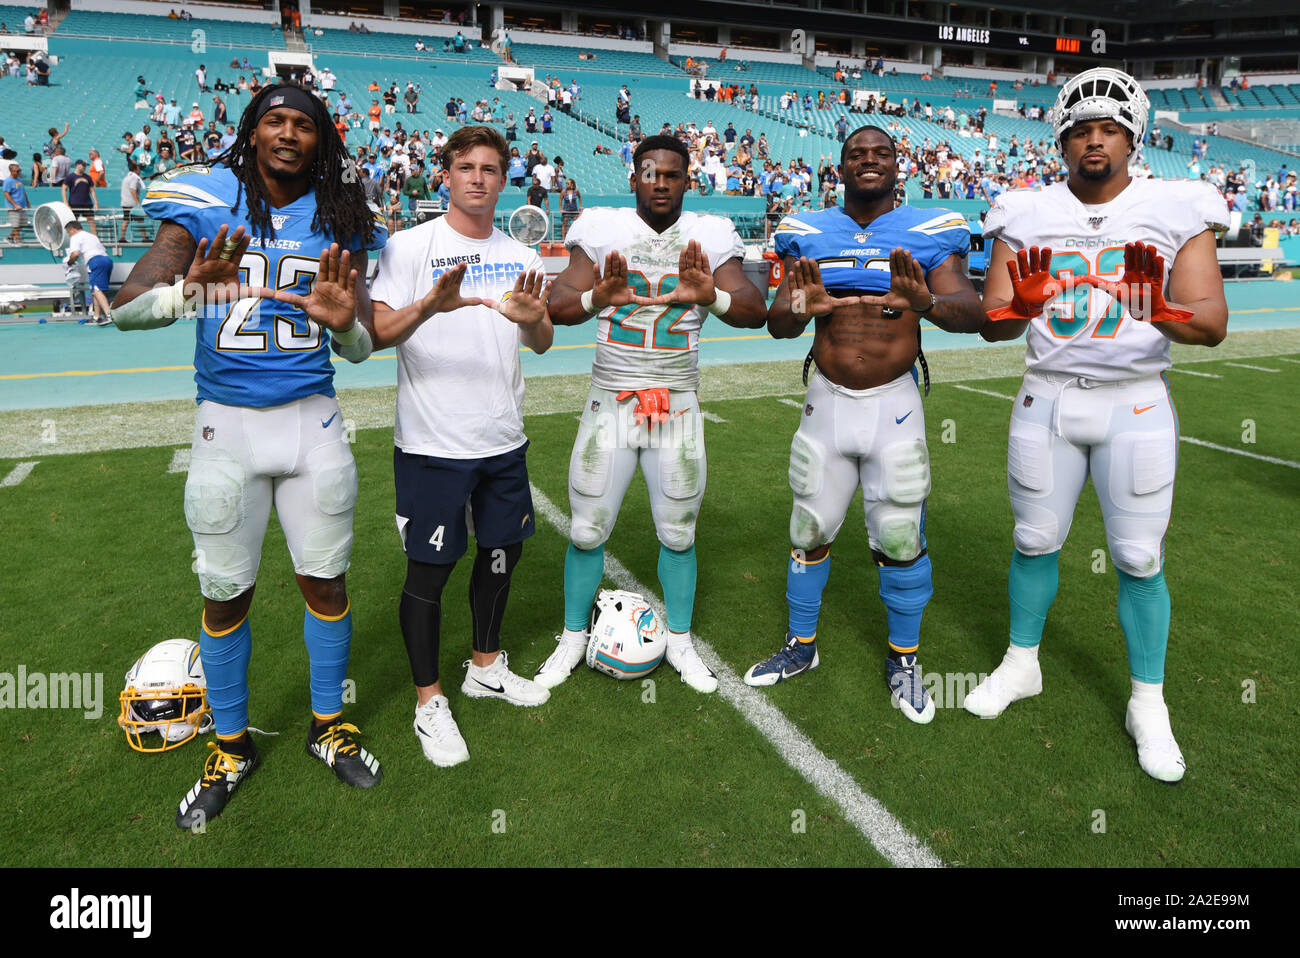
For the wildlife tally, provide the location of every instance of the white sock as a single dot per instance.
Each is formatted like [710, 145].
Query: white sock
[1149, 695]
[573, 635]
[1020, 655]
[678, 640]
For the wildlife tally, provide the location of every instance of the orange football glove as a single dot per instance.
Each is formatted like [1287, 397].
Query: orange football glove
[1032, 285]
[651, 404]
[1140, 290]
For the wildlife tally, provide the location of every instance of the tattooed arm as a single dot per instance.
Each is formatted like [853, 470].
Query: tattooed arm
[166, 262]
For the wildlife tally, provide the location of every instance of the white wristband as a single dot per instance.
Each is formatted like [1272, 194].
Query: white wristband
[354, 344]
[588, 302]
[152, 309]
[346, 337]
[722, 304]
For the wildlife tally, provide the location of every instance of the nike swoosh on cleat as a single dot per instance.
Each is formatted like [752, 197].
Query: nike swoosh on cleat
[905, 415]
[324, 424]
[498, 688]
[1138, 412]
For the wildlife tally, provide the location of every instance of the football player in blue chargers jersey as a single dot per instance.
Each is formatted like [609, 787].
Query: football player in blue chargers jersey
[268, 430]
[868, 273]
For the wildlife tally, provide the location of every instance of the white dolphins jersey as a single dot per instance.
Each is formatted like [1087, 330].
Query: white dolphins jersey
[1084, 332]
[643, 347]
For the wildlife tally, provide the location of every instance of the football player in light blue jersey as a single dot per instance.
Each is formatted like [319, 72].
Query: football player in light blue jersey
[868, 273]
[268, 429]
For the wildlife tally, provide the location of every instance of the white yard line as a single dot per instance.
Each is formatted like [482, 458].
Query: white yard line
[180, 461]
[18, 473]
[1188, 372]
[1283, 359]
[1258, 369]
[791, 402]
[710, 416]
[886, 833]
[983, 392]
[1240, 452]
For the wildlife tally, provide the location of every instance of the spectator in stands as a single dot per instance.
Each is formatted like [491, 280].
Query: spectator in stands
[201, 76]
[79, 194]
[547, 119]
[390, 99]
[570, 206]
[544, 173]
[530, 121]
[458, 42]
[60, 166]
[218, 109]
[29, 24]
[539, 196]
[411, 97]
[39, 171]
[512, 128]
[516, 170]
[166, 158]
[532, 158]
[16, 202]
[416, 187]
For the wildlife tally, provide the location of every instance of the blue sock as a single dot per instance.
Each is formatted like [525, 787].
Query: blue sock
[805, 580]
[1144, 616]
[225, 666]
[905, 590]
[583, 569]
[1031, 585]
[677, 579]
[328, 639]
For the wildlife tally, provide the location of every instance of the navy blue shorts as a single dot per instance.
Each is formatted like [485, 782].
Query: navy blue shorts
[432, 494]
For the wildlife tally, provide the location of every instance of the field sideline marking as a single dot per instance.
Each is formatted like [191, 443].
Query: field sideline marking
[18, 473]
[710, 416]
[983, 392]
[180, 461]
[1258, 369]
[1240, 452]
[1283, 359]
[791, 402]
[885, 833]
[1189, 372]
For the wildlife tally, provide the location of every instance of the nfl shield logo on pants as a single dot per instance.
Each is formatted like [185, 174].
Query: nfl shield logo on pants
[208, 433]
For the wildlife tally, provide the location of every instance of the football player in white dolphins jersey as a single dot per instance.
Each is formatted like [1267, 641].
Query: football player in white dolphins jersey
[1095, 400]
[652, 273]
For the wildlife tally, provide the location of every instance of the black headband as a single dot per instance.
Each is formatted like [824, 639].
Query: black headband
[295, 98]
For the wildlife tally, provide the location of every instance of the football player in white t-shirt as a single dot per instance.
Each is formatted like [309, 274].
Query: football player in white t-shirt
[1082, 266]
[652, 274]
[460, 430]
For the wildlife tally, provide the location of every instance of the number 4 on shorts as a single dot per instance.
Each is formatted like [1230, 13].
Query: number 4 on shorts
[435, 540]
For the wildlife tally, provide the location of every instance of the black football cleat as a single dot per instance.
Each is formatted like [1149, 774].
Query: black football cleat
[335, 745]
[222, 773]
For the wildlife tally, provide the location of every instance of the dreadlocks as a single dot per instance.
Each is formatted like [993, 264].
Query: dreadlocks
[341, 206]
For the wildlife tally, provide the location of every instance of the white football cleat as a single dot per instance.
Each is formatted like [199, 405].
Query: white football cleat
[439, 737]
[498, 682]
[1014, 679]
[1158, 753]
[561, 663]
[694, 672]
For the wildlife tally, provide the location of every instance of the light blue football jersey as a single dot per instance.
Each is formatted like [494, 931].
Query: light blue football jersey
[855, 258]
[256, 352]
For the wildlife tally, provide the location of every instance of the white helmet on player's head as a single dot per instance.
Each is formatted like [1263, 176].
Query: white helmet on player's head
[1101, 93]
[626, 641]
[166, 692]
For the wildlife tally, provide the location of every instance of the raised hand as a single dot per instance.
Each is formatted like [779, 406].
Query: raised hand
[611, 287]
[1140, 289]
[445, 295]
[907, 286]
[525, 305]
[1032, 284]
[213, 276]
[808, 297]
[694, 281]
[332, 301]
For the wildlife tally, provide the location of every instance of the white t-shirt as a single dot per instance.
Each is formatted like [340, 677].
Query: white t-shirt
[544, 173]
[1086, 333]
[645, 347]
[87, 244]
[460, 387]
[132, 181]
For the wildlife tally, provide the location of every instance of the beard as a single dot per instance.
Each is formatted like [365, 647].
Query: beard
[1097, 173]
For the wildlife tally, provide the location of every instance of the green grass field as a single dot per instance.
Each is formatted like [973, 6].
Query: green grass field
[96, 567]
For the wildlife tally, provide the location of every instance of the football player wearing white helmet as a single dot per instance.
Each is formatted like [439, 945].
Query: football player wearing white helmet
[652, 274]
[1103, 271]
[166, 693]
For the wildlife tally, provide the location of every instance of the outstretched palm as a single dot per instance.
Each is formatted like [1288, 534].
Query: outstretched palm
[525, 305]
[445, 295]
[808, 296]
[213, 276]
[611, 287]
[694, 281]
[332, 301]
[907, 287]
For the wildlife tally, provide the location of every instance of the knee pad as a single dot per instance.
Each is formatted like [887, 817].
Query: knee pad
[677, 531]
[225, 569]
[588, 531]
[897, 531]
[325, 550]
[214, 493]
[807, 466]
[808, 529]
[1036, 531]
[1139, 558]
[334, 478]
[905, 472]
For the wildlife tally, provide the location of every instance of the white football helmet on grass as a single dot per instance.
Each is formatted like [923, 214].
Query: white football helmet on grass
[166, 692]
[626, 640]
